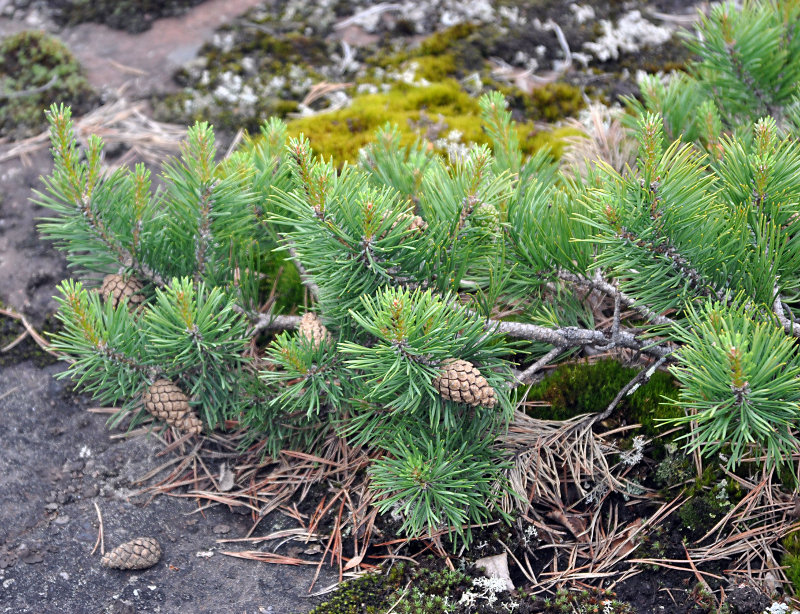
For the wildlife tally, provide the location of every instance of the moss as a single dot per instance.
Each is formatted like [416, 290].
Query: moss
[554, 101]
[710, 497]
[34, 61]
[791, 559]
[581, 388]
[403, 589]
[130, 15]
[432, 112]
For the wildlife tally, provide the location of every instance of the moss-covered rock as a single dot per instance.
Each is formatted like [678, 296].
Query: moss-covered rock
[35, 71]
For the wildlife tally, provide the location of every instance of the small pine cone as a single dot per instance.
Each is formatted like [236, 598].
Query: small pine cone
[461, 382]
[189, 423]
[417, 223]
[116, 288]
[486, 216]
[139, 553]
[312, 328]
[167, 402]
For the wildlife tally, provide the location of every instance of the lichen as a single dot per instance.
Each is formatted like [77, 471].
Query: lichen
[35, 71]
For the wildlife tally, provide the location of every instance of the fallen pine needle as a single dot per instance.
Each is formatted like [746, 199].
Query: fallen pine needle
[100, 538]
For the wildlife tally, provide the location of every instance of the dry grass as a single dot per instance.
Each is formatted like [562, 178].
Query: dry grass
[120, 122]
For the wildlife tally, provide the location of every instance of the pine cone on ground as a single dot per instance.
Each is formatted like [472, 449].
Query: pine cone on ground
[167, 402]
[115, 288]
[139, 553]
[312, 328]
[461, 382]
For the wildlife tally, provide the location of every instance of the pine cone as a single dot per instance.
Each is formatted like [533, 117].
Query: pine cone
[139, 553]
[461, 382]
[417, 225]
[167, 402]
[486, 216]
[312, 328]
[116, 288]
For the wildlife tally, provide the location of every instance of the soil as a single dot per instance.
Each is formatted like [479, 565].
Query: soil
[60, 465]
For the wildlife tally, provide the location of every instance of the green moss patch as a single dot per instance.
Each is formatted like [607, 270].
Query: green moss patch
[441, 113]
[582, 388]
[35, 71]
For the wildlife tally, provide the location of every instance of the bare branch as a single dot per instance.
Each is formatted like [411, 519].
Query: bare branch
[788, 325]
[598, 283]
[304, 276]
[526, 376]
[572, 336]
[641, 378]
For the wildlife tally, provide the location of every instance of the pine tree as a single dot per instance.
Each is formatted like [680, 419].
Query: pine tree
[410, 258]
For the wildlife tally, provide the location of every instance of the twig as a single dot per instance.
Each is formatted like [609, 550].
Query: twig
[30, 330]
[598, 283]
[641, 378]
[572, 336]
[267, 321]
[9, 392]
[308, 282]
[29, 92]
[368, 12]
[403, 596]
[527, 375]
[100, 538]
[788, 325]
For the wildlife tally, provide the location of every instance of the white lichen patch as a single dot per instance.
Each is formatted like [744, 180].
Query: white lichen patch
[629, 35]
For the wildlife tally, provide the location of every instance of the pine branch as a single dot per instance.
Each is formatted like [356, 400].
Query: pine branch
[571, 336]
[639, 379]
[308, 282]
[262, 322]
[527, 376]
[788, 325]
[598, 283]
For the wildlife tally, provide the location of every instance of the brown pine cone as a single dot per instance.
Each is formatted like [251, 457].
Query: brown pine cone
[139, 553]
[166, 401]
[461, 382]
[417, 224]
[115, 288]
[312, 328]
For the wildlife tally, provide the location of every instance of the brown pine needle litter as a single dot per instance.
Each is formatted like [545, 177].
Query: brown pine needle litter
[120, 122]
[569, 480]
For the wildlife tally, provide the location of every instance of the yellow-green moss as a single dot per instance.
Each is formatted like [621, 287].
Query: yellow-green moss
[554, 101]
[341, 134]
